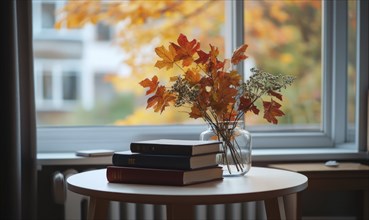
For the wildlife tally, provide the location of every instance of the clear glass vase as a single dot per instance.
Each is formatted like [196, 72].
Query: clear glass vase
[235, 152]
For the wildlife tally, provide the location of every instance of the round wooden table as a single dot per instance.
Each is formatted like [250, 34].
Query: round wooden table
[267, 184]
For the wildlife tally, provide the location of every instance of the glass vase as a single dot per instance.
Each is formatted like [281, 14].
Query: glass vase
[235, 152]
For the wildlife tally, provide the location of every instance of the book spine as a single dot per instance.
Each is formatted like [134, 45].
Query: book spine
[152, 161]
[143, 176]
[161, 149]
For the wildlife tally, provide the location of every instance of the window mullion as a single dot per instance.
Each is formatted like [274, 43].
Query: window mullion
[235, 16]
[238, 24]
[327, 51]
[339, 77]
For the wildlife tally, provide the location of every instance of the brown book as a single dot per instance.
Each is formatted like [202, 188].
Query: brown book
[175, 147]
[117, 174]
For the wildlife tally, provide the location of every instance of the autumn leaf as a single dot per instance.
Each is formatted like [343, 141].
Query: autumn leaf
[239, 54]
[222, 95]
[275, 94]
[230, 115]
[160, 100]
[203, 99]
[167, 57]
[195, 112]
[214, 52]
[234, 78]
[173, 78]
[203, 57]
[227, 65]
[151, 84]
[247, 105]
[214, 64]
[271, 111]
[193, 77]
[185, 50]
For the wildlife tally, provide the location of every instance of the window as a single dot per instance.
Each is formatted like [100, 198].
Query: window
[48, 15]
[103, 32]
[294, 37]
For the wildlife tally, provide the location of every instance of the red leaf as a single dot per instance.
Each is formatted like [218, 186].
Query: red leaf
[276, 94]
[247, 105]
[151, 84]
[271, 111]
[239, 54]
[203, 57]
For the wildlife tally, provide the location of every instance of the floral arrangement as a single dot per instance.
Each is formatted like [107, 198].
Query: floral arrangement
[212, 88]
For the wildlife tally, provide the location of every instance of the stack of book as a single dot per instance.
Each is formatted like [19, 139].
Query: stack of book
[166, 162]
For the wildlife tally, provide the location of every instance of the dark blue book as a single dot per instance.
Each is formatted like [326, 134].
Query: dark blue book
[175, 147]
[178, 162]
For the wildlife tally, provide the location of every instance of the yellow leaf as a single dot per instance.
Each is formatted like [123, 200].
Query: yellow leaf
[167, 57]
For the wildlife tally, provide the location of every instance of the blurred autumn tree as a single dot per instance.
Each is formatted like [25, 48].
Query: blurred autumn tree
[283, 37]
[141, 26]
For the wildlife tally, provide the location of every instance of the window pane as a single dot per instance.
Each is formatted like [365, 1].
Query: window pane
[70, 85]
[47, 88]
[351, 70]
[285, 37]
[48, 15]
[114, 96]
[103, 32]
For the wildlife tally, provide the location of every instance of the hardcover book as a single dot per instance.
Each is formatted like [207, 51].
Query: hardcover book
[175, 147]
[180, 162]
[116, 174]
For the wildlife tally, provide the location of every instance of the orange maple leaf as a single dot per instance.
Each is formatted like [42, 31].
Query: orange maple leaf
[151, 84]
[168, 57]
[214, 52]
[230, 115]
[186, 49]
[271, 111]
[193, 77]
[214, 63]
[234, 78]
[239, 54]
[160, 100]
[195, 112]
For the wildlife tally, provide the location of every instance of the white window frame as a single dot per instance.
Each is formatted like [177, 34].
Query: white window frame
[332, 136]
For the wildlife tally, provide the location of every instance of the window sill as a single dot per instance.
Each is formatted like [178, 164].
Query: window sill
[259, 155]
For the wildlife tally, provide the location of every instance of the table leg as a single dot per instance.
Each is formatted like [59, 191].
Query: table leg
[275, 208]
[292, 206]
[97, 209]
[180, 212]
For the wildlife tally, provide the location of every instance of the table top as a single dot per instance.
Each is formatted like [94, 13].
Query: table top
[258, 184]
